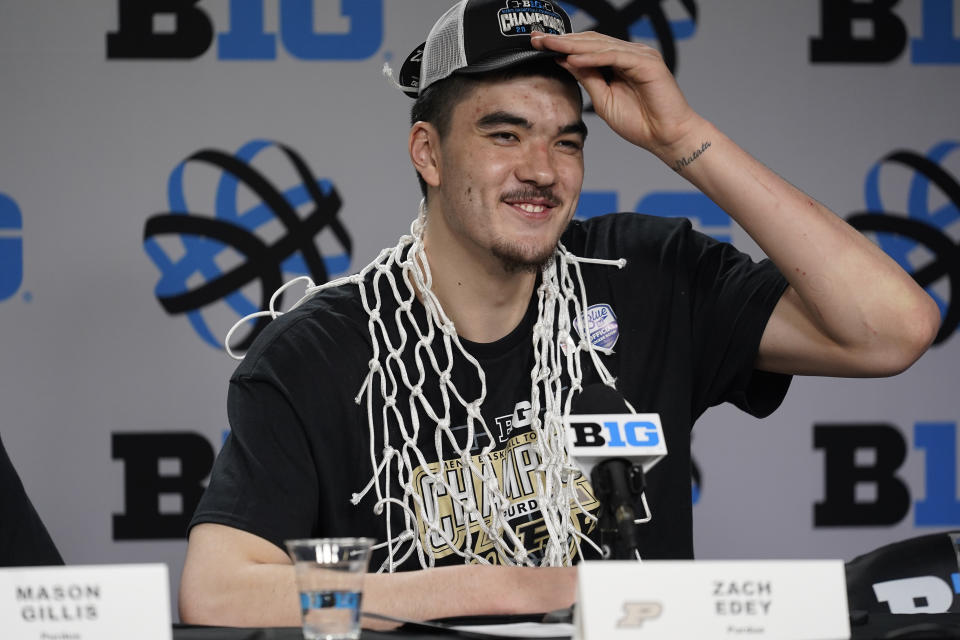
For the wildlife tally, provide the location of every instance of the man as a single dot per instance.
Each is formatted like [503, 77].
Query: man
[429, 390]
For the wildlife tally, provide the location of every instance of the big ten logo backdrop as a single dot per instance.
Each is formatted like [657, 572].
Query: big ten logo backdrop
[171, 29]
[872, 31]
[163, 479]
[350, 30]
[11, 247]
[912, 212]
[223, 250]
[862, 487]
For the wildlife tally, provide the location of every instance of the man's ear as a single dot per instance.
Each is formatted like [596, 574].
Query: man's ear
[425, 152]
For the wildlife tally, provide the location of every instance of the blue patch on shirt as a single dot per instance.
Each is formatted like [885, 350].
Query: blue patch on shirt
[601, 325]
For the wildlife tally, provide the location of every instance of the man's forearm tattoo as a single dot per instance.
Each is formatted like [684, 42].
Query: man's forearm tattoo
[683, 162]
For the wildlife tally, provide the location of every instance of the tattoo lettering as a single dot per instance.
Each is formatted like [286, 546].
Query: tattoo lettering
[683, 162]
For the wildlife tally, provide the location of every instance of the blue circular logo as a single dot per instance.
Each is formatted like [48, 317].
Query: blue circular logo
[212, 265]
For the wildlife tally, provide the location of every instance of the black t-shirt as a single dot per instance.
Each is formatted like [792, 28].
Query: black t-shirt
[684, 318]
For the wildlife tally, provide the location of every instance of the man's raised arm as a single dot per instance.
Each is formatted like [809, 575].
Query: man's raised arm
[850, 310]
[234, 578]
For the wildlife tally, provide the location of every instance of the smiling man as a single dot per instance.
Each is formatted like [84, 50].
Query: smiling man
[421, 402]
[524, 154]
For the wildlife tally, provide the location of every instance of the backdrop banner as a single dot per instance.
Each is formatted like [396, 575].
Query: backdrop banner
[168, 164]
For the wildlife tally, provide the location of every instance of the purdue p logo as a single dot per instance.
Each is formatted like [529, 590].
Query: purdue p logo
[636, 613]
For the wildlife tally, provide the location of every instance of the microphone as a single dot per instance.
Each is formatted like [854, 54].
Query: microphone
[615, 447]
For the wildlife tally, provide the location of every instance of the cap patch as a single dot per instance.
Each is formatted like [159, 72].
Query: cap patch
[522, 17]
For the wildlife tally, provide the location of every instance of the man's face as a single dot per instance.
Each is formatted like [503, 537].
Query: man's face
[510, 170]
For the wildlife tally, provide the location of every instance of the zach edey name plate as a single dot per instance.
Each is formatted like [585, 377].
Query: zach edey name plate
[798, 599]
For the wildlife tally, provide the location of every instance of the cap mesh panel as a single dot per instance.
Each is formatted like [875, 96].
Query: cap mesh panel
[444, 52]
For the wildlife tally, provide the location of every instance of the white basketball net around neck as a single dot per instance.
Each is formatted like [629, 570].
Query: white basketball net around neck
[556, 349]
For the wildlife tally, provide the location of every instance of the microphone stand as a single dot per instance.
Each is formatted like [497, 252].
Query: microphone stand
[619, 484]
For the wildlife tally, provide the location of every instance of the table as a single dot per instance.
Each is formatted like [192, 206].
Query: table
[876, 626]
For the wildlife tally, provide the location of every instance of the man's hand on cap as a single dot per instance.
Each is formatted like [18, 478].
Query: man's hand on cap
[630, 86]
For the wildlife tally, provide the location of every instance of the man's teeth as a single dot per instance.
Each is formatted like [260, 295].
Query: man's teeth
[531, 208]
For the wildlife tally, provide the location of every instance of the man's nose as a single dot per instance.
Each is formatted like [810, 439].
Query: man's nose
[537, 165]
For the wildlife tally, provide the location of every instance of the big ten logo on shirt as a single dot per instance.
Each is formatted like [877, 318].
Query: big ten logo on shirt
[517, 421]
[444, 487]
[11, 247]
[307, 30]
[875, 32]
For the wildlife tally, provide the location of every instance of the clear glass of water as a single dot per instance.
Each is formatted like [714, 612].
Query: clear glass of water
[330, 579]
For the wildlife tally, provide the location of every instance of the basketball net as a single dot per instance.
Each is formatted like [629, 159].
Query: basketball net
[556, 349]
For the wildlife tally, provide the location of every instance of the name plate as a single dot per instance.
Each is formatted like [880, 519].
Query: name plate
[112, 602]
[797, 599]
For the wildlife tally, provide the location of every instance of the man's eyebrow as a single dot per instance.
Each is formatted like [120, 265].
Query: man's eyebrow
[577, 127]
[503, 117]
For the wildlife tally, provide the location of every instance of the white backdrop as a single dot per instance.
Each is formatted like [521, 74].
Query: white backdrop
[90, 359]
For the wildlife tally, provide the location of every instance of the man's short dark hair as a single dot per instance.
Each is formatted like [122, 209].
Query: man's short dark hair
[436, 104]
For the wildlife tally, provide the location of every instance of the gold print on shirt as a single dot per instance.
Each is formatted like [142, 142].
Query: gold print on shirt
[515, 469]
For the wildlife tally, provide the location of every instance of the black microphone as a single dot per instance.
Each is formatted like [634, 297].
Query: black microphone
[615, 446]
